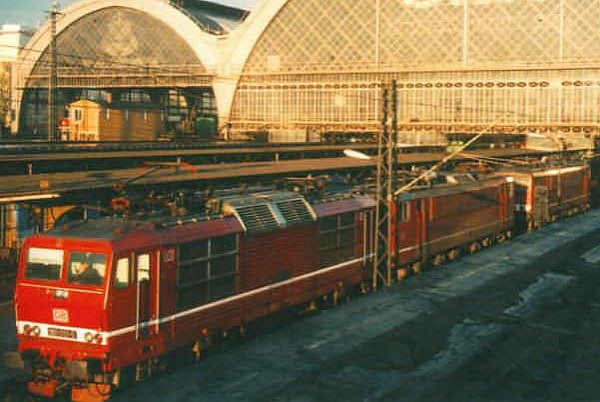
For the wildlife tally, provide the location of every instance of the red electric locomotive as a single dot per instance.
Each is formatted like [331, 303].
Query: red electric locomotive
[439, 223]
[543, 195]
[100, 303]
[103, 303]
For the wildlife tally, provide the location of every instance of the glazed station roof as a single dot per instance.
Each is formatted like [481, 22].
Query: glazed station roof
[213, 17]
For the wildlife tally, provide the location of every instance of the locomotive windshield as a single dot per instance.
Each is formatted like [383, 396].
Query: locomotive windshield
[44, 263]
[87, 268]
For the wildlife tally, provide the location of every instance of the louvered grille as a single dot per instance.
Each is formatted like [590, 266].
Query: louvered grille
[294, 211]
[257, 217]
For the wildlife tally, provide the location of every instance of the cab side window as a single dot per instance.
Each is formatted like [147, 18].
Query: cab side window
[143, 267]
[122, 273]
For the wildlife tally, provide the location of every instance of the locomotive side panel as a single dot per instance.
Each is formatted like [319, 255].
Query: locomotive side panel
[459, 219]
[409, 231]
[553, 193]
[574, 189]
[452, 217]
[346, 241]
[364, 247]
[278, 255]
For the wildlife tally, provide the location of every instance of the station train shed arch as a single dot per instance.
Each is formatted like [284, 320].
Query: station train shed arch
[121, 44]
[297, 69]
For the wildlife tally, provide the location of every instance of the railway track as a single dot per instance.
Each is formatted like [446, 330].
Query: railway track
[18, 148]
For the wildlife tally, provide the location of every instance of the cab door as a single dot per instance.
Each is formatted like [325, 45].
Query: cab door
[123, 292]
[145, 300]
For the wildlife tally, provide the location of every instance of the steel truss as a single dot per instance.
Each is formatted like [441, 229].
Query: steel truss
[387, 181]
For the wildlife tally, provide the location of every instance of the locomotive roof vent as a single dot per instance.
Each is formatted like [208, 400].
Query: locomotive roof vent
[257, 218]
[295, 210]
[269, 211]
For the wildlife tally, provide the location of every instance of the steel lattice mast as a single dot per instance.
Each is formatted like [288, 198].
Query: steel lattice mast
[387, 181]
[53, 81]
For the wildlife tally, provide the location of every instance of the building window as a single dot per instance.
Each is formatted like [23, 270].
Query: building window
[126, 114]
[78, 114]
[207, 271]
[337, 239]
[145, 115]
[107, 114]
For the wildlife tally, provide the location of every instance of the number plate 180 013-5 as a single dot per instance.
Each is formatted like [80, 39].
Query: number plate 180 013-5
[62, 333]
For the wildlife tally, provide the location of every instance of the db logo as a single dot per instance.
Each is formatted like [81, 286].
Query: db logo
[60, 315]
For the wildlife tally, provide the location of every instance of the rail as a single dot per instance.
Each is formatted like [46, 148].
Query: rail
[18, 147]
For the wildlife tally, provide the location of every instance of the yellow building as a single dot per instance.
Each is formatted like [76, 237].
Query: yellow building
[99, 121]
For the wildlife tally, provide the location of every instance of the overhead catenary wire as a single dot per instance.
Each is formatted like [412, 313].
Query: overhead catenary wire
[489, 159]
[485, 160]
[134, 67]
[441, 163]
[130, 67]
[149, 67]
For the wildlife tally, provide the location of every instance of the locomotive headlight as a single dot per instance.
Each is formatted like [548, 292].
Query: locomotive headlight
[98, 338]
[27, 329]
[36, 331]
[89, 337]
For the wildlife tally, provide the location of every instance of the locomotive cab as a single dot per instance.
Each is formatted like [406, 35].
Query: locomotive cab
[67, 281]
[60, 295]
